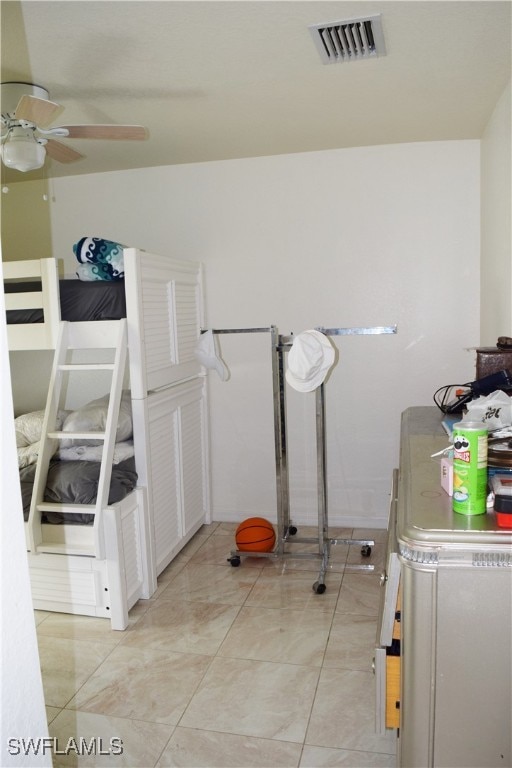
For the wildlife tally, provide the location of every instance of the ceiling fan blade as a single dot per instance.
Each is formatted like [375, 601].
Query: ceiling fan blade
[38, 111]
[61, 152]
[130, 132]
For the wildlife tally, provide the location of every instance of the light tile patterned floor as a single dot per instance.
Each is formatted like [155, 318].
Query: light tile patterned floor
[225, 666]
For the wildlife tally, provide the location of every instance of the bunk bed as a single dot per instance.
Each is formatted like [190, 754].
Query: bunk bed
[99, 558]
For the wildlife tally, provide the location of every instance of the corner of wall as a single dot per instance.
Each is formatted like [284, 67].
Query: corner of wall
[496, 206]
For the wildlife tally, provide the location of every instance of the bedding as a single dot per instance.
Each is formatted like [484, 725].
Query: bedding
[74, 470]
[99, 259]
[76, 482]
[92, 417]
[122, 451]
[79, 301]
[28, 429]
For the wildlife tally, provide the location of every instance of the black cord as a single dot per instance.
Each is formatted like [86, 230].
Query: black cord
[443, 397]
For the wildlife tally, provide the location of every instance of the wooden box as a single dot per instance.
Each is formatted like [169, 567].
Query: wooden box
[491, 360]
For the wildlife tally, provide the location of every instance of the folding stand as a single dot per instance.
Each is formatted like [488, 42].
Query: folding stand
[286, 530]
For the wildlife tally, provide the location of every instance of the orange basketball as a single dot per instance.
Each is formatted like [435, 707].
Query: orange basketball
[255, 535]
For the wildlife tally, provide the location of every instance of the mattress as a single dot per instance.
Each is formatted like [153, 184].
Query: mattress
[76, 482]
[79, 301]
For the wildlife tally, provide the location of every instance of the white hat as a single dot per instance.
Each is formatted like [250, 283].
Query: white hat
[207, 354]
[309, 360]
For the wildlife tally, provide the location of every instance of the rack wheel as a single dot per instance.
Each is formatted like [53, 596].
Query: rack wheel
[235, 561]
[319, 588]
[292, 530]
[366, 551]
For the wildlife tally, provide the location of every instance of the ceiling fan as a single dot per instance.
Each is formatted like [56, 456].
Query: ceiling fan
[26, 139]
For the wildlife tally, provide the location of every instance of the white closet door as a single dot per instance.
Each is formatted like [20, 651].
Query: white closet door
[192, 421]
[161, 353]
[175, 467]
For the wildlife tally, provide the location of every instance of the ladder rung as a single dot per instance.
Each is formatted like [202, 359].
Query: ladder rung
[70, 509]
[86, 367]
[79, 435]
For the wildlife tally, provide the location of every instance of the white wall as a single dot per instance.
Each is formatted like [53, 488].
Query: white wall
[496, 164]
[22, 711]
[22, 234]
[352, 237]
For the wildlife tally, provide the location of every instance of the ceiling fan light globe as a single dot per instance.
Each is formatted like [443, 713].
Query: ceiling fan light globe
[23, 154]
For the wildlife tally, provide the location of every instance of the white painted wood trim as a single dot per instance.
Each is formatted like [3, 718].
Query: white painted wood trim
[34, 335]
[161, 288]
[84, 584]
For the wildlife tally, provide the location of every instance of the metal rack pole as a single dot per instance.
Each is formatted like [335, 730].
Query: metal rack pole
[281, 458]
[279, 345]
[323, 539]
[321, 466]
[279, 411]
[375, 330]
[365, 544]
[265, 329]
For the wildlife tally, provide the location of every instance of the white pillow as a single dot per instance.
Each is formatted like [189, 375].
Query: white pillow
[93, 418]
[29, 427]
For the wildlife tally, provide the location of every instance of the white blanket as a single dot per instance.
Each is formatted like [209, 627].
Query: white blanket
[91, 418]
[122, 451]
[28, 429]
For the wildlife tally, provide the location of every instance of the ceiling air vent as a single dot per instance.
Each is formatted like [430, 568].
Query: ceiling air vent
[350, 40]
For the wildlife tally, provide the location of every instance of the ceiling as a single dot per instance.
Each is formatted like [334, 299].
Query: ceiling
[219, 80]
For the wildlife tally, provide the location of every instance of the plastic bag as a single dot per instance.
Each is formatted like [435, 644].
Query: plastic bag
[494, 410]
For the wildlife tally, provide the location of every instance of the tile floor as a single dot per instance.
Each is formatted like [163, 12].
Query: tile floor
[225, 666]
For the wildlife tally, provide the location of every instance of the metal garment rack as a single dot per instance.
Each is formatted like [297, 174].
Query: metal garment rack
[286, 530]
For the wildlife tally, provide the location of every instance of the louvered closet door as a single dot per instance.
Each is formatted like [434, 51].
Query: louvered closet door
[176, 467]
[161, 353]
[192, 453]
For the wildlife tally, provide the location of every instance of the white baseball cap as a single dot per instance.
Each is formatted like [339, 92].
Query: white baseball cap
[309, 360]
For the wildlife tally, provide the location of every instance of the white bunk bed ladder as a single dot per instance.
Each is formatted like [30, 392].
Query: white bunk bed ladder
[75, 336]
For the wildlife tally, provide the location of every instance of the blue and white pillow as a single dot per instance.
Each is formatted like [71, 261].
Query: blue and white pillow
[99, 259]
